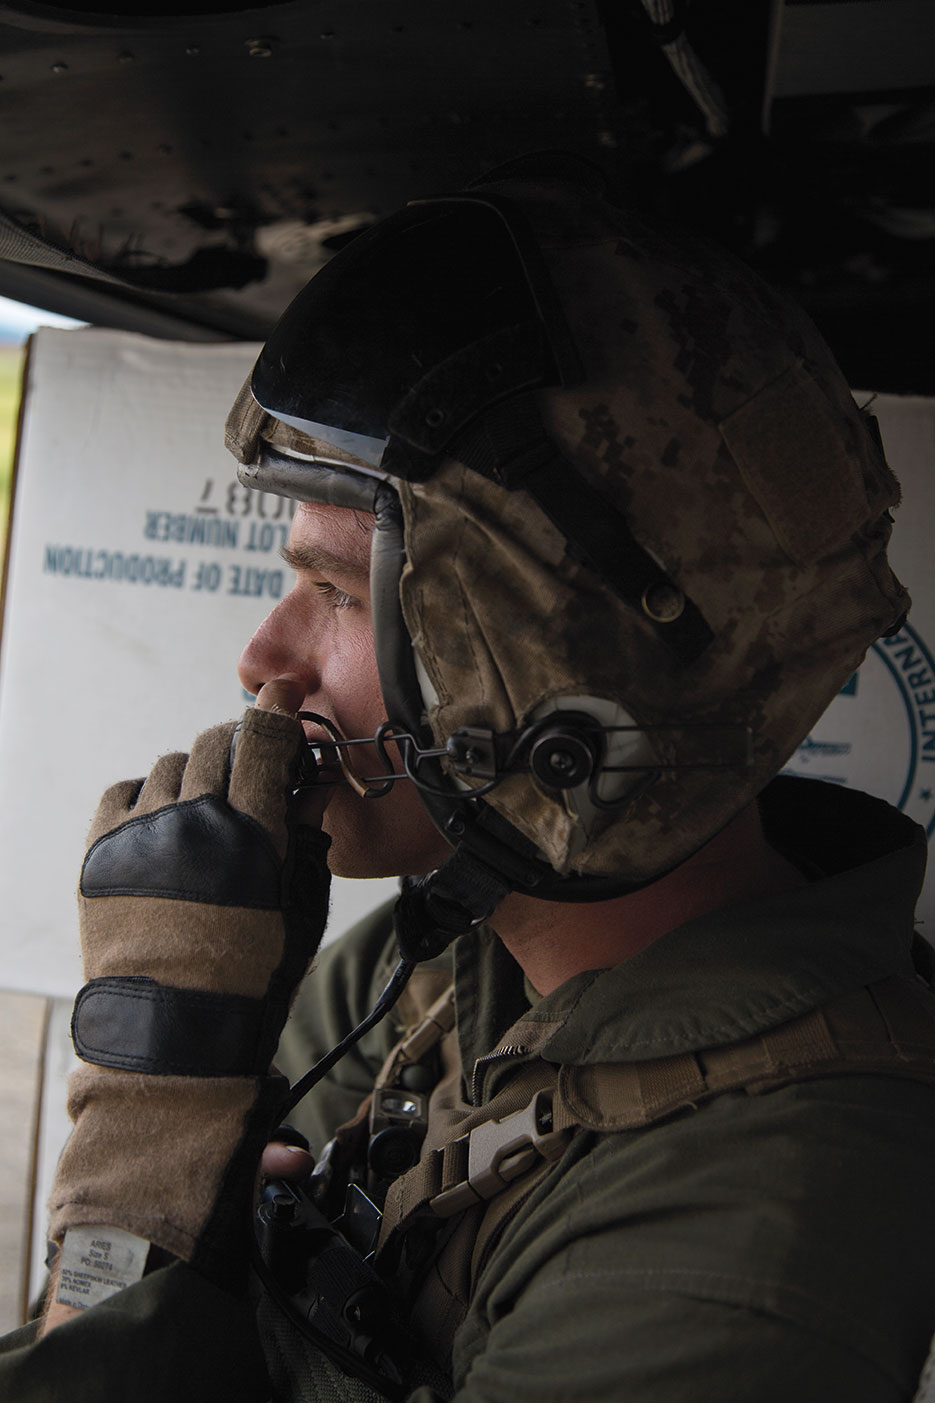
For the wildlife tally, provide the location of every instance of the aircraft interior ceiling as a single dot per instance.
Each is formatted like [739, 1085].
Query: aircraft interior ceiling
[186, 173]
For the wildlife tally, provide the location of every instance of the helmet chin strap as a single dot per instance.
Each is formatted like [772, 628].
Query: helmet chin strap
[431, 911]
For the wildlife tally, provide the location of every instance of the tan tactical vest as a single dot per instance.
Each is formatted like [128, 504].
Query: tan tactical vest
[479, 1164]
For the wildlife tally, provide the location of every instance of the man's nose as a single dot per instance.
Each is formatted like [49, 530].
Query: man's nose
[279, 648]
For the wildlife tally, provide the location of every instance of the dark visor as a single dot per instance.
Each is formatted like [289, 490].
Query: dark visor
[416, 326]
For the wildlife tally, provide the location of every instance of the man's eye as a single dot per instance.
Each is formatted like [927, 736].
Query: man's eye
[337, 598]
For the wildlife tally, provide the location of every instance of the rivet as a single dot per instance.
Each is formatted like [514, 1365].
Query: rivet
[663, 602]
[326, 34]
[192, 50]
[59, 67]
[125, 57]
[259, 47]
[434, 418]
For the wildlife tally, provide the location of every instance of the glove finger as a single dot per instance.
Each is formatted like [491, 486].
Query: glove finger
[162, 784]
[208, 765]
[282, 694]
[268, 747]
[115, 807]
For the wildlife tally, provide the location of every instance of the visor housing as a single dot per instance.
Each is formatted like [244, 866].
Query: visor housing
[459, 285]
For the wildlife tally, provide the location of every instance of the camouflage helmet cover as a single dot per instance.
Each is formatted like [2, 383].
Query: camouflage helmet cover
[712, 415]
[713, 418]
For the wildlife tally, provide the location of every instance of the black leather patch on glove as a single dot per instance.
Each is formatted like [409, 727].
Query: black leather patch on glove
[198, 850]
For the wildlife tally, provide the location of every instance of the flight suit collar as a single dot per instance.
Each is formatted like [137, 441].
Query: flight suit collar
[731, 973]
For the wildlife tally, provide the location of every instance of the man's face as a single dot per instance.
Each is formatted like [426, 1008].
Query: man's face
[321, 636]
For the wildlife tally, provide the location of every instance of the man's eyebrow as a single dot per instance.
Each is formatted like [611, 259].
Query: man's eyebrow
[314, 558]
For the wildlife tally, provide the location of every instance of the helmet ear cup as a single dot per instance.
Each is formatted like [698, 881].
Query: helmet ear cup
[564, 754]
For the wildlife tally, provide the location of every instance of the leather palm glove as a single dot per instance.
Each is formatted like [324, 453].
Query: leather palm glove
[202, 901]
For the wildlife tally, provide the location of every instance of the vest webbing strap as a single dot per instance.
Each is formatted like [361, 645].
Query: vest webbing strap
[887, 1029]
[433, 1024]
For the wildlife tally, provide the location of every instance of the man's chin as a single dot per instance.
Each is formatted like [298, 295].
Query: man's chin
[357, 870]
[369, 850]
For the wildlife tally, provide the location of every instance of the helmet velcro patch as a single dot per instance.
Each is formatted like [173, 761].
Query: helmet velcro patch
[788, 443]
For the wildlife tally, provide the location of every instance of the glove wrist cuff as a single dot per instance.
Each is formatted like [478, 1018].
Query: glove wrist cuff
[138, 1025]
[171, 1159]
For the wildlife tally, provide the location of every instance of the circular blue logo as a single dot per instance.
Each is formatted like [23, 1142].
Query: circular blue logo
[879, 732]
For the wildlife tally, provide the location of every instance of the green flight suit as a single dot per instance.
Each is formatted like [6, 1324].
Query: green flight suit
[768, 1247]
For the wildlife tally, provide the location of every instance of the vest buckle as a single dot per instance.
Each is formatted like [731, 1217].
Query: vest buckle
[499, 1151]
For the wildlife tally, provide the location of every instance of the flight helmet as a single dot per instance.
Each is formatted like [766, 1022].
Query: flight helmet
[630, 525]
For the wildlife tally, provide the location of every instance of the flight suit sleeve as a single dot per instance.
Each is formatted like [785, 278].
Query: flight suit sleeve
[174, 1335]
[769, 1247]
[171, 1335]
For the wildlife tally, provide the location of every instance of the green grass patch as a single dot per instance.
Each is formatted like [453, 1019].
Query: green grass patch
[11, 369]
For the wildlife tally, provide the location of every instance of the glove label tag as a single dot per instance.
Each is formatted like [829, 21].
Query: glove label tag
[96, 1263]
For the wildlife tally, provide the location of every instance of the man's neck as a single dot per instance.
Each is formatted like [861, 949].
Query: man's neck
[554, 940]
